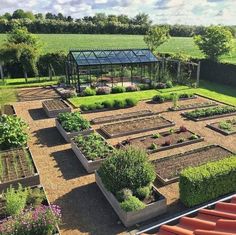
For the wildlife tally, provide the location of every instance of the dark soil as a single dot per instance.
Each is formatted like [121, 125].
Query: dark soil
[193, 106]
[52, 105]
[15, 164]
[8, 110]
[166, 139]
[123, 116]
[170, 167]
[139, 125]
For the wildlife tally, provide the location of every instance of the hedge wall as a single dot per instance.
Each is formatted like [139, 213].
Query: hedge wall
[218, 72]
[207, 182]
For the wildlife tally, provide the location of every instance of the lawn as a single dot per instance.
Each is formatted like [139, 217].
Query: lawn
[32, 82]
[211, 90]
[64, 42]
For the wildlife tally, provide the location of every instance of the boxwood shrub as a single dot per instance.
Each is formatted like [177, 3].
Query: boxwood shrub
[89, 92]
[117, 89]
[160, 98]
[207, 182]
[13, 132]
[128, 168]
[110, 104]
[208, 112]
[73, 122]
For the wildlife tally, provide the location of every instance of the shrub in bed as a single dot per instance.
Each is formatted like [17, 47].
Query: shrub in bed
[127, 168]
[143, 192]
[207, 182]
[13, 132]
[120, 104]
[73, 122]
[130, 102]
[201, 113]
[89, 92]
[93, 146]
[169, 84]
[108, 103]
[124, 194]
[144, 87]
[118, 89]
[132, 203]
[103, 90]
[160, 98]
[132, 88]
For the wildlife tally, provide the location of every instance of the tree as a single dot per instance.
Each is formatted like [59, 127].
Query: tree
[215, 42]
[156, 36]
[142, 19]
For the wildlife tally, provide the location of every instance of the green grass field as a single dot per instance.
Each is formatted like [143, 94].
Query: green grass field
[64, 42]
[208, 89]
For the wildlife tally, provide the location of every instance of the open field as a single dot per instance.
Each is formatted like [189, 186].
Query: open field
[64, 42]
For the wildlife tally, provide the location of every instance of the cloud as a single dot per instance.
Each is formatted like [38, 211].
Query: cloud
[161, 11]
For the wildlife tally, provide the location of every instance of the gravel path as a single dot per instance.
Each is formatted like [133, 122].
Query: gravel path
[85, 209]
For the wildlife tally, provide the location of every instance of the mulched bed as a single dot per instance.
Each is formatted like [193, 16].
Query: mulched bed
[163, 141]
[193, 106]
[216, 127]
[169, 168]
[136, 126]
[123, 116]
[15, 163]
[8, 110]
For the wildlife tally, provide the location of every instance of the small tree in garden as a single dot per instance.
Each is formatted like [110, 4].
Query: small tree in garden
[215, 42]
[156, 36]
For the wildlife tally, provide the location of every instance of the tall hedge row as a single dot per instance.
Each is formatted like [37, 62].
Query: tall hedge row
[218, 72]
[207, 182]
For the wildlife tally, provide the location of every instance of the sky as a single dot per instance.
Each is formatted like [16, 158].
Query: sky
[193, 12]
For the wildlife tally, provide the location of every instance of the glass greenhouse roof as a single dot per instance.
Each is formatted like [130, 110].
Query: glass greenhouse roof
[109, 57]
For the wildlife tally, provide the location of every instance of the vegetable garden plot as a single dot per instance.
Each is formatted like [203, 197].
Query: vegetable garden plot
[227, 127]
[123, 116]
[54, 107]
[17, 166]
[169, 168]
[164, 140]
[136, 126]
[193, 106]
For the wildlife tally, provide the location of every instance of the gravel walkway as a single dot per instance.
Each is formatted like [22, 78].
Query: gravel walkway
[85, 209]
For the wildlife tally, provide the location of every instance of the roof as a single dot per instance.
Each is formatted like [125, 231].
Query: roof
[218, 221]
[110, 57]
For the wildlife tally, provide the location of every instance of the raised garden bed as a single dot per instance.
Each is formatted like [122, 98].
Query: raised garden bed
[123, 116]
[164, 140]
[54, 107]
[169, 168]
[8, 110]
[136, 126]
[153, 209]
[210, 113]
[17, 166]
[161, 98]
[36, 197]
[91, 150]
[193, 106]
[71, 125]
[227, 127]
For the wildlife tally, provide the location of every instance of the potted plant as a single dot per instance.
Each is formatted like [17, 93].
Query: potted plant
[126, 180]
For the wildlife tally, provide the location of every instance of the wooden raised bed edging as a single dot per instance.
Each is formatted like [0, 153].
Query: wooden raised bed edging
[69, 135]
[124, 116]
[24, 181]
[131, 218]
[54, 112]
[171, 146]
[221, 131]
[166, 181]
[132, 132]
[89, 165]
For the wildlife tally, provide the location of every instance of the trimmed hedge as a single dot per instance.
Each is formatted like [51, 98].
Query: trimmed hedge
[207, 182]
[160, 98]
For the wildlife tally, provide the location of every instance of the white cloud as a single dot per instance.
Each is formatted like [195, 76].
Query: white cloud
[161, 11]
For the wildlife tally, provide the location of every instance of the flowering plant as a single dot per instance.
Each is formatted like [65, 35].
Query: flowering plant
[40, 221]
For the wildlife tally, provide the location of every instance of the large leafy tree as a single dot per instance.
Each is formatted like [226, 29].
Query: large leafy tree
[215, 42]
[156, 36]
[21, 47]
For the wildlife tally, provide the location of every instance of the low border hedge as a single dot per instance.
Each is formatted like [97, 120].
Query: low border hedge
[207, 182]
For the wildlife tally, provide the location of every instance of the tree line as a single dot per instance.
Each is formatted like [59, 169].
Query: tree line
[100, 23]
